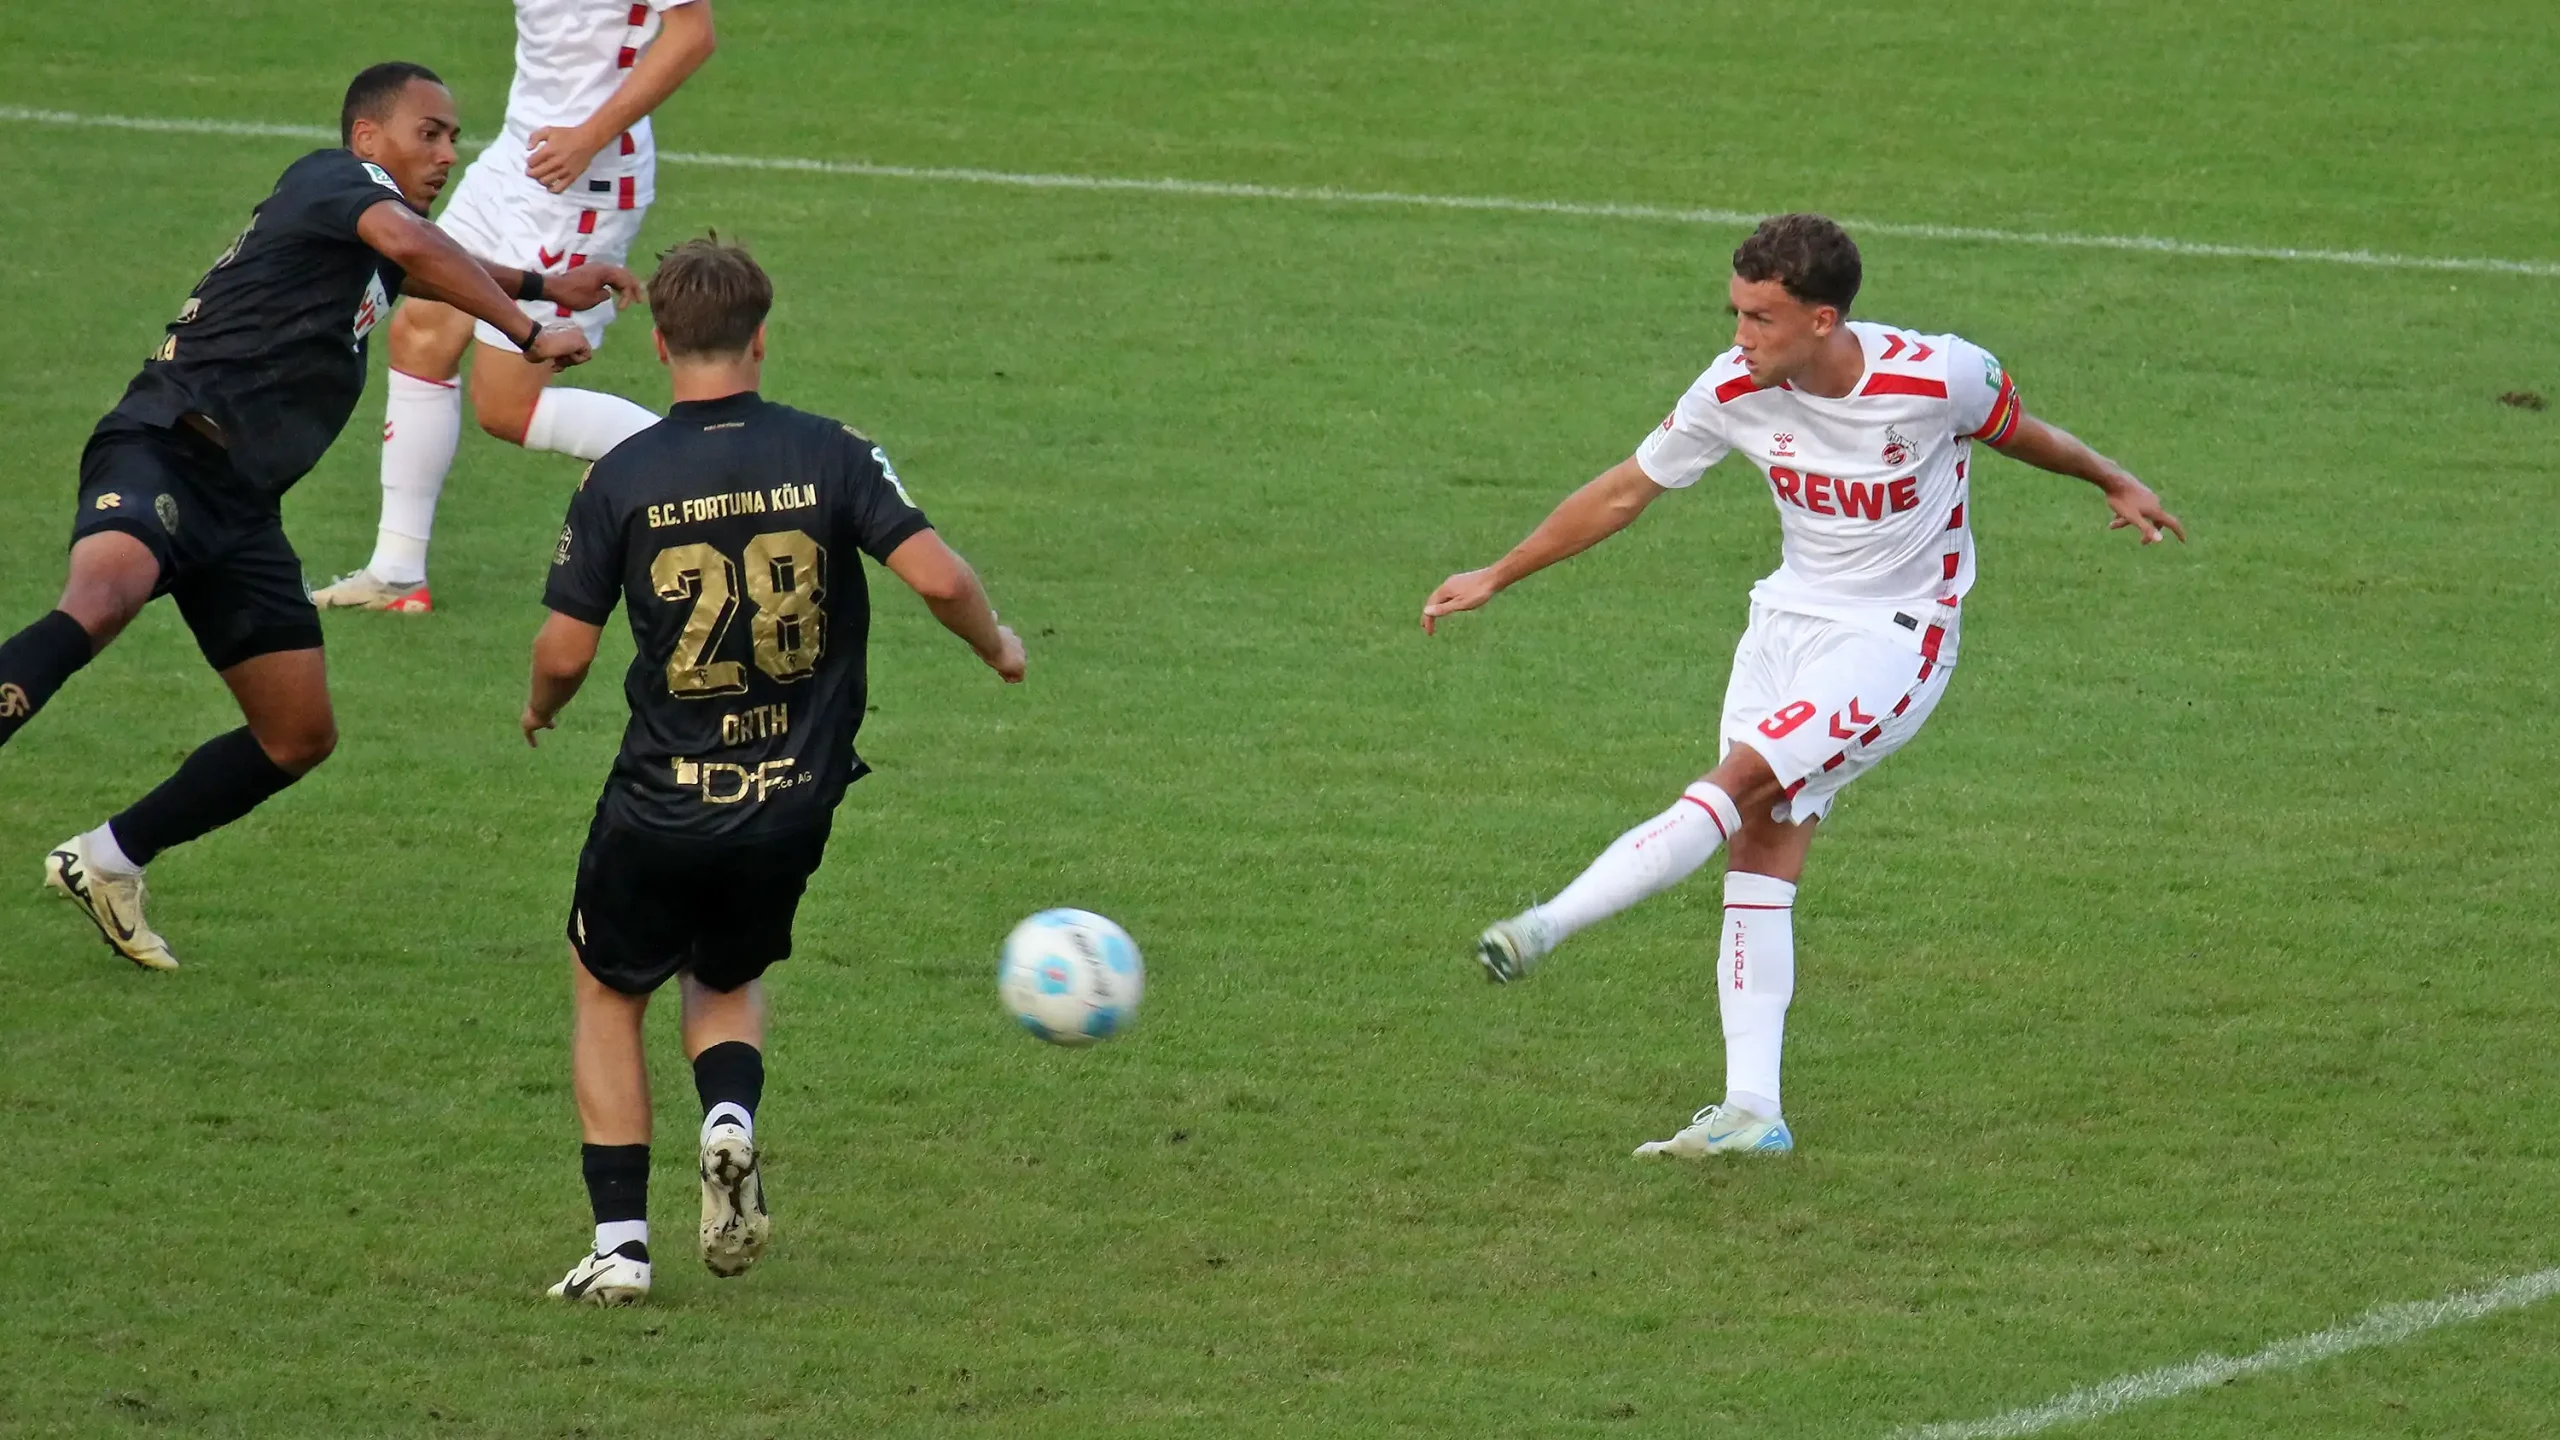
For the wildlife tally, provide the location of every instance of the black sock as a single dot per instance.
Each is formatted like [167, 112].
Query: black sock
[618, 1185]
[732, 1073]
[227, 777]
[34, 663]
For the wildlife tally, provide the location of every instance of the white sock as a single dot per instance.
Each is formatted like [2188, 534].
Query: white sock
[1646, 861]
[421, 424]
[612, 1235]
[107, 857]
[584, 423]
[729, 1112]
[1755, 978]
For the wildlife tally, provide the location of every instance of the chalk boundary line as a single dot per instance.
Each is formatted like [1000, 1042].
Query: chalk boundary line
[1326, 195]
[2382, 1325]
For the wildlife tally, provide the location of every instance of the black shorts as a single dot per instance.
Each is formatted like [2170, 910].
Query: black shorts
[220, 542]
[649, 906]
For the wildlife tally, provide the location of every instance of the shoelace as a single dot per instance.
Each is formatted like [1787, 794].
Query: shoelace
[1701, 1117]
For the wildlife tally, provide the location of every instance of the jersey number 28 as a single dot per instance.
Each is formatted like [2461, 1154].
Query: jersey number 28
[786, 581]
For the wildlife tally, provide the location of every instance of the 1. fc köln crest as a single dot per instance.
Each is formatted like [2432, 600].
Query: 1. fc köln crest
[1897, 450]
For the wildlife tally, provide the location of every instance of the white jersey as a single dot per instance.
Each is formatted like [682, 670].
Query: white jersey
[571, 55]
[1870, 487]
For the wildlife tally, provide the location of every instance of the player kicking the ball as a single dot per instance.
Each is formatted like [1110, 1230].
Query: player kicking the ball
[1865, 434]
[181, 484]
[565, 184]
[730, 531]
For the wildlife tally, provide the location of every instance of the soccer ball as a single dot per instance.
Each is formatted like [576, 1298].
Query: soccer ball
[1071, 977]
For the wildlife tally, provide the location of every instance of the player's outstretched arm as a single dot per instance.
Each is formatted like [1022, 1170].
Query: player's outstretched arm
[438, 269]
[1608, 504]
[2049, 447]
[562, 153]
[562, 654]
[581, 289]
[952, 592]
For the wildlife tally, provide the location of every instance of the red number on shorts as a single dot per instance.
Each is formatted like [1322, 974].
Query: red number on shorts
[1784, 723]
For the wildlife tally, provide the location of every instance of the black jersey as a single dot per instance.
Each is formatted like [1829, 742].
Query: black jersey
[731, 529]
[271, 344]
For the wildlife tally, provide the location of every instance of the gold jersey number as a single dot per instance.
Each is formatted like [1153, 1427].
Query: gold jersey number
[785, 581]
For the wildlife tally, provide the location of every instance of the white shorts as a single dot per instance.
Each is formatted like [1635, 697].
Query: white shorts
[501, 215]
[1823, 702]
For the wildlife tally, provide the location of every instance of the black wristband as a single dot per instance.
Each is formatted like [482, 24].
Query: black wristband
[525, 345]
[530, 287]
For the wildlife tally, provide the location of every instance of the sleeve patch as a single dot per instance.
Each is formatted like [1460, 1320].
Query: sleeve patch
[889, 473]
[381, 177]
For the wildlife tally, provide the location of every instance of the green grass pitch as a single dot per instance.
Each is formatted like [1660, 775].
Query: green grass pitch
[2186, 987]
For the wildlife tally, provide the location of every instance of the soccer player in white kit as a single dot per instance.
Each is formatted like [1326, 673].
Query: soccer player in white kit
[1864, 434]
[566, 183]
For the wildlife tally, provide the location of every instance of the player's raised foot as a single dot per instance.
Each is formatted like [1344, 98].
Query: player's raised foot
[1509, 949]
[734, 1222]
[362, 591]
[1725, 1130]
[621, 1278]
[112, 903]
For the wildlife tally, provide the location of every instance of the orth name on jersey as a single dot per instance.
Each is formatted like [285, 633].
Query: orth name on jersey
[271, 343]
[1871, 487]
[571, 55]
[732, 533]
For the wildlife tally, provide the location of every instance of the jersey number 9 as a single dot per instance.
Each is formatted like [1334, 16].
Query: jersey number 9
[786, 582]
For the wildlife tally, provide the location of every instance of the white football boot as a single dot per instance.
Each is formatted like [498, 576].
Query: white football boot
[621, 1278]
[1723, 1130]
[361, 591]
[112, 903]
[1509, 949]
[734, 1223]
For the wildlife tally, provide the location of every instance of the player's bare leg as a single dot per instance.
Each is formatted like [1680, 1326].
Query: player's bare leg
[112, 577]
[515, 400]
[1755, 978]
[283, 695]
[724, 1038]
[285, 699]
[611, 1078]
[505, 391]
[511, 398]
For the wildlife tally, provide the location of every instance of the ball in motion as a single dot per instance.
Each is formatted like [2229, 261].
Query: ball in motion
[1071, 977]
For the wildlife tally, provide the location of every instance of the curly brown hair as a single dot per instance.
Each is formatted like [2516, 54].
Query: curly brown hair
[1809, 254]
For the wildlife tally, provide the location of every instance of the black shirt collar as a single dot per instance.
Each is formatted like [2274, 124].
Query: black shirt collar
[727, 407]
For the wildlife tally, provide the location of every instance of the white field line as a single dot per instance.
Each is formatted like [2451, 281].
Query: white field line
[2383, 1325]
[1326, 195]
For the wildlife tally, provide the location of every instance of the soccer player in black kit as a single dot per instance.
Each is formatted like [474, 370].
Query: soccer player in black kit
[180, 483]
[730, 531]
